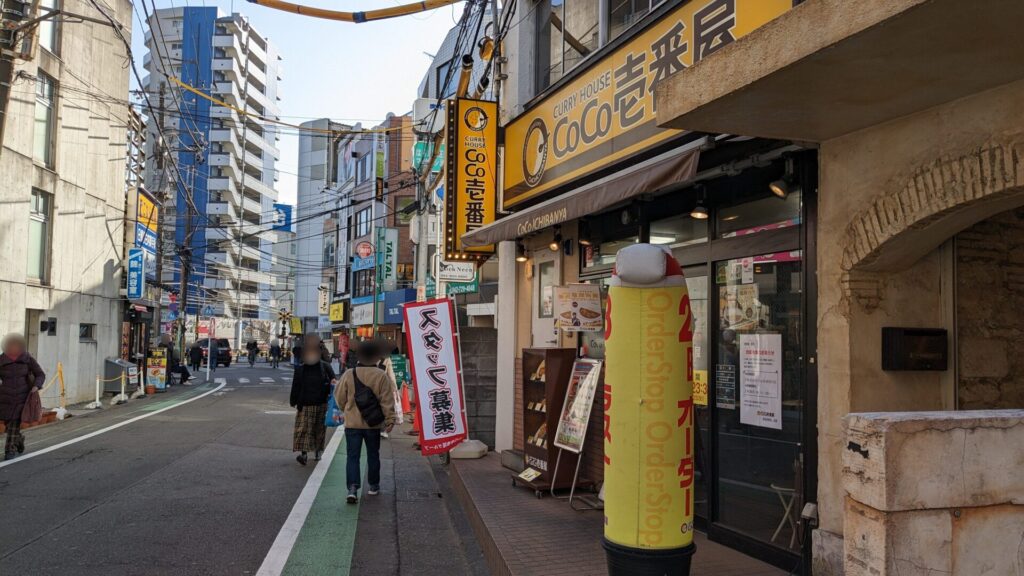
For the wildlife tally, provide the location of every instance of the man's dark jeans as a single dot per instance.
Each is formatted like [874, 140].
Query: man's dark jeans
[354, 438]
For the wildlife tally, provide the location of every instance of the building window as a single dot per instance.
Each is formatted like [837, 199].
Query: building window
[43, 145]
[49, 28]
[406, 273]
[87, 332]
[624, 13]
[362, 283]
[362, 223]
[328, 254]
[40, 215]
[176, 46]
[568, 32]
[446, 84]
[402, 211]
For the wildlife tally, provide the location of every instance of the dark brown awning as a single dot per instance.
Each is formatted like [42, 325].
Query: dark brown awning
[672, 167]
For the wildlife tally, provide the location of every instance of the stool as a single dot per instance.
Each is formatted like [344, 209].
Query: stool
[787, 497]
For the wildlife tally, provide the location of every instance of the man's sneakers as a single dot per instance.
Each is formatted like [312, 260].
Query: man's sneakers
[373, 491]
[353, 495]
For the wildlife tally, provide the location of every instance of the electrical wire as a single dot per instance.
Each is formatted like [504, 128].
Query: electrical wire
[355, 17]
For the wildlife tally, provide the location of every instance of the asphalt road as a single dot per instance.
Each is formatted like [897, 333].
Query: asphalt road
[198, 489]
[204, 488]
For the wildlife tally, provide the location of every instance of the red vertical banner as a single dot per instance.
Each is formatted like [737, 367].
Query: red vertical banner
[434, 357]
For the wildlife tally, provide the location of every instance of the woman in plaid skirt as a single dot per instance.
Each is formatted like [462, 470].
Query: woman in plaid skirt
[20, 375]
[311, 386]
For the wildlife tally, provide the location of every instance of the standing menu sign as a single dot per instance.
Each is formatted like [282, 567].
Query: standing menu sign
[761, 380]
[434, 354]
[579, 399]
[156, 369]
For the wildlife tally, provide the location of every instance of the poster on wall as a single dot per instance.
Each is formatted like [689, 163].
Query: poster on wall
[739, 307]
[700, 387]
[579, 399]
[434, 353]
[578, 308]
[761, 380]
[725, 386]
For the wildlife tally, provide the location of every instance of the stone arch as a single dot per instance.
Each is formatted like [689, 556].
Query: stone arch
[936, 201]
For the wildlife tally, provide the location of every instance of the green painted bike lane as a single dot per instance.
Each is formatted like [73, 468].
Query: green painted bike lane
[327, 539]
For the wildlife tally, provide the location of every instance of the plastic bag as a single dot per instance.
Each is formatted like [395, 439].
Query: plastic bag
[335, 415]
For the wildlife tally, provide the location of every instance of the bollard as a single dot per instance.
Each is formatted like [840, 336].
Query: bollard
[648, 403]
[121, 398]
[97, 404]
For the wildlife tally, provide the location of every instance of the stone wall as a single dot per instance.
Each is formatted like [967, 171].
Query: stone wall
[990, 313]
[479, 374]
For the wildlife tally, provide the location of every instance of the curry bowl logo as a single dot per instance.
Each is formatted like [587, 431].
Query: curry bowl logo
[535, 152]
[475, 119]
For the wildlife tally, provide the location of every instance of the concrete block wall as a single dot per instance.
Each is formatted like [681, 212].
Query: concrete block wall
[934, 493]
[479, 377]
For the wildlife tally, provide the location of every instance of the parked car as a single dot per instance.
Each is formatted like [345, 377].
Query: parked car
[223, 351]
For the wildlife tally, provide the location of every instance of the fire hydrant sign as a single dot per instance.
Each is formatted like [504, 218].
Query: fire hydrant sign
[434, 355]
[761, 380]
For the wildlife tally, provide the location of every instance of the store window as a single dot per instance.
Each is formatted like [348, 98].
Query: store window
[599, 257]
[548, 280]
[759, 215]
[362, 283]
[758, 396]
[679, 231]
[624, 13]
[87, 332]
[40, 216]
[44, 116]
[49, 28]
[568, 32]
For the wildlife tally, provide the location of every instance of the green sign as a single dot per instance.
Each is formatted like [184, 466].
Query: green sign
[431, 288]
[453, 288]
[401, 368]
[421, 152]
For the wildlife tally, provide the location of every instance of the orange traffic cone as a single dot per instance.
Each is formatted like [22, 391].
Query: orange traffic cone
[405, 400]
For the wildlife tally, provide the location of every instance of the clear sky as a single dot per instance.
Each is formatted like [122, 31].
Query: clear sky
[348, 72]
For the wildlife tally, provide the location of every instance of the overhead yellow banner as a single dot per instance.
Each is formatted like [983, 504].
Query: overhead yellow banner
[148, 212]
[606, 113]
[471, 197]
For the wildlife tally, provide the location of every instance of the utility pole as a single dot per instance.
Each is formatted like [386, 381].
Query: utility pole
[162, 198]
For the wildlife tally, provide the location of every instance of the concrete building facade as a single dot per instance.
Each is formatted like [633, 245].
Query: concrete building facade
[63, 189]
[227, 160]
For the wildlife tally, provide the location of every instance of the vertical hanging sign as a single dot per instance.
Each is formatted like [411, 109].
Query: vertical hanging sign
[434, 355]
[387, 258]
[471, 201]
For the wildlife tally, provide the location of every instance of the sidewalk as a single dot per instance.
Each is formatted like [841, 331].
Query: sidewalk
[522, 535]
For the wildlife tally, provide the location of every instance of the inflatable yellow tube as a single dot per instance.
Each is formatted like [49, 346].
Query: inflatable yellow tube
[648, 402]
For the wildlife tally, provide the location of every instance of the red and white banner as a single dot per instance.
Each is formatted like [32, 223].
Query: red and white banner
[434, 354]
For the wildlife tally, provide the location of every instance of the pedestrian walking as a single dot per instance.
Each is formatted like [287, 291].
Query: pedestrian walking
[252, 350]
[20, 376]
[275, 354]
[366, 396]
[195, 356]
[174, 363]
[388, 367]
[214, 354]
[311, 387]
[297, 355]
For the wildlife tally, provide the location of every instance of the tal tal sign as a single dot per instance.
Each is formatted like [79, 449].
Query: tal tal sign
[456, 271]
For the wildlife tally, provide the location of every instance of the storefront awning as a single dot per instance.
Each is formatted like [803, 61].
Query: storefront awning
[672, 167]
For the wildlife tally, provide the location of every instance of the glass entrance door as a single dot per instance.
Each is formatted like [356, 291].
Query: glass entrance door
[758, 397]
[697, 287]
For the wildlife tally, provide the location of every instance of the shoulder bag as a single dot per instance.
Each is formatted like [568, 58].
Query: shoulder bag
[367, 402]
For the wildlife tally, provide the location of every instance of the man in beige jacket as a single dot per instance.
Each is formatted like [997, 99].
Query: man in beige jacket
[357, 431]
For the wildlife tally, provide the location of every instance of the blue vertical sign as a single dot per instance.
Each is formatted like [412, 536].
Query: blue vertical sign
[136, 273]
[282, 217]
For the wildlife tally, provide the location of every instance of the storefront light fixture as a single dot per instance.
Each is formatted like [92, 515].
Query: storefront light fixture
[521, 252]
[556, 242]
[700, 212]
[784, 185]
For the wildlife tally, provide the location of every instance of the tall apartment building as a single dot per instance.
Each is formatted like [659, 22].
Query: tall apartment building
[62, 188]
[226, 159]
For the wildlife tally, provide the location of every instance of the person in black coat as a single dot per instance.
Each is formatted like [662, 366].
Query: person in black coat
[311, 386]
[195, 356]
[20, 375]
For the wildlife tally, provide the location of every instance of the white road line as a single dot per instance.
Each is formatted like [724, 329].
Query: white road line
[49, 449]
[278, 555]
[243, 380]
[266, 379]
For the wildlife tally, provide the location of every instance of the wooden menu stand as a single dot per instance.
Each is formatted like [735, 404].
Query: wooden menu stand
[546, 373]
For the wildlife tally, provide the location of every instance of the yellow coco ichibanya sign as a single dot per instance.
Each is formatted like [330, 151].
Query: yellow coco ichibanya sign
[607, 112]
[472, 171]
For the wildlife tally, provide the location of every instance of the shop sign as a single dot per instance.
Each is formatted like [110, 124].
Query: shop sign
[147, 217]
[156, 368]
[363, 263]
[454, 288]
[471, 201]
[136, 273]
[761, 380]
[387, 257]
[434, 352]
[448, 271]
[337, 312]
[579, 399]
[282, 217]
[700, 387]
[400, 366]
[393, 302]
[421, 153]
[362, 314]
[578, 308]
[364, 250]
[295, 325]
[323, 324]
[607, 112]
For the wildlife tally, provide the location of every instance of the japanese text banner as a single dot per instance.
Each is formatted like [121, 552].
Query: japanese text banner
[434, 355]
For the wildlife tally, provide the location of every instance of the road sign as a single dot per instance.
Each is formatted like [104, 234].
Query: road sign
[208, 310]
[136, 273]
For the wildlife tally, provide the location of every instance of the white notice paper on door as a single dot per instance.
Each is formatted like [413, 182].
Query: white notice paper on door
[761, 380]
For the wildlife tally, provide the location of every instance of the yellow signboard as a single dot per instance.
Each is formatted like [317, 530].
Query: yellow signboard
[472, 187]
[337, 312]
[607, 113]
[148, 212]
[296, 325]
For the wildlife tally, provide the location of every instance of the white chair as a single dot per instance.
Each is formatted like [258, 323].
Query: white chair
[787, 497]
